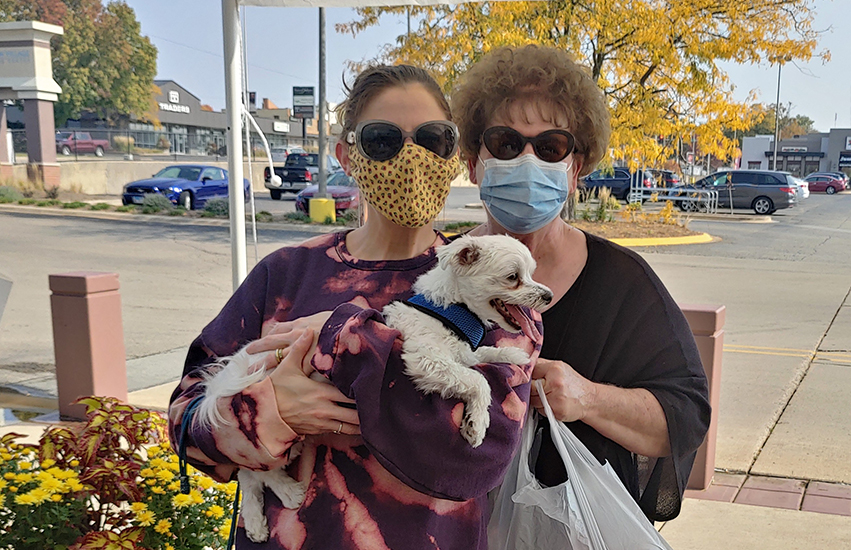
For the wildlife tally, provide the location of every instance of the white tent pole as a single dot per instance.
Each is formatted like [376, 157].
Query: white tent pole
[233, 93]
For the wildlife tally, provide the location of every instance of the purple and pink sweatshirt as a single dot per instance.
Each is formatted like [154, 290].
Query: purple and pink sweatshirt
[410, 481]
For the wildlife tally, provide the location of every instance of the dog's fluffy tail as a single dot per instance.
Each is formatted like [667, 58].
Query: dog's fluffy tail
[229, 379]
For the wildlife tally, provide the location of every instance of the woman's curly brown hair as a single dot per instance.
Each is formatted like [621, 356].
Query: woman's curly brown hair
[557, 86]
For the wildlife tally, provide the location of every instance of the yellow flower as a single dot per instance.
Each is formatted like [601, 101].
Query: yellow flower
[40, 495]
[169, 547]
[224, 531]
[23, 465]
[5, 456]
[52, 485]
[165, 475]
[2, 500]
[204, 482]
[56, 498]
[146, 518]
[74, 463]
[216, 511]
[47, 463]
[75, 485]
[181, 500]
[196, 497]
[13, 489]
[147, 472]
[173, 486]
[24, 478]
[138, 507]
[173, 458]
[154, 450]
[26, 499]
[3, 484]
[157, 490]
[162, 526]
[9, 475]
[159, 463]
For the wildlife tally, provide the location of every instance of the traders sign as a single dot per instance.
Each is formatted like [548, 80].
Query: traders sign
[845, 160]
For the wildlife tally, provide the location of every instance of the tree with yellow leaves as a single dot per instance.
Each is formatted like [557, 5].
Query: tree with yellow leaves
[657, 61]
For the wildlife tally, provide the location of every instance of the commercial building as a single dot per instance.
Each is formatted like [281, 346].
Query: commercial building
[800, 155]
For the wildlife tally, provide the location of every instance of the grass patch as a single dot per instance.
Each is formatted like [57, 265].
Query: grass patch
[455, 226]
[99, 206]
[179, 211]
[126, 208]
[49, 202]
[27, 201]
[75, 204]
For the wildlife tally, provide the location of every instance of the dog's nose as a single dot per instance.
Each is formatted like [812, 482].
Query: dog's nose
[547, 297]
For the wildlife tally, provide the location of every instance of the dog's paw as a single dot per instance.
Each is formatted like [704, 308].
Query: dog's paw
[474, 426]
[256, 527]
[515, 356]
[293, 496]
[490, 354]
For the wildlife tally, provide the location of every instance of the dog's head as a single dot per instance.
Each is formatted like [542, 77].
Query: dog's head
[491, 275]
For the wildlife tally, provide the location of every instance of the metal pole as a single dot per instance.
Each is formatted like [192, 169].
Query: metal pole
[233, 94]
[323, 175]
[777, 116]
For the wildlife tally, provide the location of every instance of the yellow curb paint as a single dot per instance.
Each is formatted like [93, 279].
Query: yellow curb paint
[807, 351]
[664, 241]
[767, 353]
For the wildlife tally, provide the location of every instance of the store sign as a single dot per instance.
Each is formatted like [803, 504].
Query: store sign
[281, 127]
[173, 96]
[845, 160]
[174, 108]
[848, 142]
[303, 102]
[794, 149]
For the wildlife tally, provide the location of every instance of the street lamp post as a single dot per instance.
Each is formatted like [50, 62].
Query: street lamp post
[777, 115]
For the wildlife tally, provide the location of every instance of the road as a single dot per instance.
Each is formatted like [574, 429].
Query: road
[785, 284]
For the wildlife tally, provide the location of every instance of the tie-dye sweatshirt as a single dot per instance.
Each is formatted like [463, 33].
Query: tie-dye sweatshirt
[410, 481]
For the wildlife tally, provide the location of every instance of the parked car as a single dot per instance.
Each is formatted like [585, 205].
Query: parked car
[80, 142]
[189, 186]
[280, 154]
[343, 188]
[803, 188]
[764, 191]
[618, 180]
[825, 183]
[298, 172]
[665, 178]
[842, 176]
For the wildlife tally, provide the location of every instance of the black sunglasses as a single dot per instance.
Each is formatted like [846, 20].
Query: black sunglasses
[507, 143]
[381, 140]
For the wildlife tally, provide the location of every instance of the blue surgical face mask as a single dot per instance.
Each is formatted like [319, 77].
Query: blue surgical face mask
[525, 193]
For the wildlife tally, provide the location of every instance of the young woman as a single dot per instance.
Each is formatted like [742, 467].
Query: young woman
[394, 472]
[619, 362]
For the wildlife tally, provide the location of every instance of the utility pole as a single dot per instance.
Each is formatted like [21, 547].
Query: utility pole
[323, 172]
[777, 115]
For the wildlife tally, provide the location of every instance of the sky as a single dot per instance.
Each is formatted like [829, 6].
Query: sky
[283, 51]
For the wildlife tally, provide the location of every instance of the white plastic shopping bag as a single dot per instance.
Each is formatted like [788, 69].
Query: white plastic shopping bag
[592, 510]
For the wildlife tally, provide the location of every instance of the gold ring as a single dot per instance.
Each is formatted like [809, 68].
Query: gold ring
[340, 429]
[279, 354]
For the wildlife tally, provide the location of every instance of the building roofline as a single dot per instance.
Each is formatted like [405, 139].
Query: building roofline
[158, 82]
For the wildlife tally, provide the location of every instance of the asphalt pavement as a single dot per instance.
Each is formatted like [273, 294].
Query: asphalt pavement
[787, 351]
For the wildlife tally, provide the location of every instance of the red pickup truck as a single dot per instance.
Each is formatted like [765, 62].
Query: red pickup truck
[80, 142]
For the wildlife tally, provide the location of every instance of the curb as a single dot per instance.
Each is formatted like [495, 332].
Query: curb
[666, 241]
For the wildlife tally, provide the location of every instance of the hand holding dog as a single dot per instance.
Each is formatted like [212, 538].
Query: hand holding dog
[283, 335]
[308, 406]
[568, 393]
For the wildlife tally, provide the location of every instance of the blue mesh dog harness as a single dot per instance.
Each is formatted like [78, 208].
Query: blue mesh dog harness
[456, 317]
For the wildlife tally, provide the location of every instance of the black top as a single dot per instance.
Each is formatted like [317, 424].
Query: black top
[618, 325]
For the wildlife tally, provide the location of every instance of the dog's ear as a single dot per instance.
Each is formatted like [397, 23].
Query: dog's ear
[469, 255]
[459, 255]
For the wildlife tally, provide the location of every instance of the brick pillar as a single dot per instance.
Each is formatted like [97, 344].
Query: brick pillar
[5, 155]
[707, 326]
[41, 142]
[88, 339]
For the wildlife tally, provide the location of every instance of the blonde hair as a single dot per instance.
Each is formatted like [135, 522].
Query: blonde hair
[556, 86]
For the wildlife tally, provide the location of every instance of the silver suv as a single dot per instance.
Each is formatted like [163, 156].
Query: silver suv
[763, 190]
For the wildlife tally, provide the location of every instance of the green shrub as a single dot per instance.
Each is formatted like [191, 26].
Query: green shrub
[263, 216]
[27, 201]
[9, 194]
[51, 192]
[126, 208]
[455, 226]
[99, 206]
[178, 211]
[154, 202]
[49, 202]
[75, 204]
[217, 207]
[297, 217]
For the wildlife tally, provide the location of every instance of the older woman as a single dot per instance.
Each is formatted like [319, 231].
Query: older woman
[618, 363]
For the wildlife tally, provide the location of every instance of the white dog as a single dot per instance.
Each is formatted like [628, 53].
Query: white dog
[478, 283]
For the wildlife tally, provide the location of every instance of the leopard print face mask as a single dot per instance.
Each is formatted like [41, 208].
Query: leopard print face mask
[411, 188]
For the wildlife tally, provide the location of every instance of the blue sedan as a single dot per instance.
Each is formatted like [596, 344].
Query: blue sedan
[189, 186]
